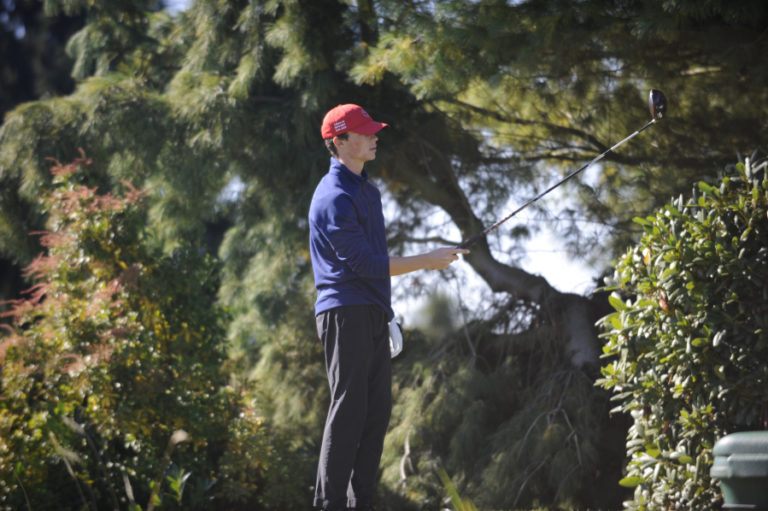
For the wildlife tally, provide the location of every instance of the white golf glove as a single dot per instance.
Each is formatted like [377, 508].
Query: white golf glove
[395, 338]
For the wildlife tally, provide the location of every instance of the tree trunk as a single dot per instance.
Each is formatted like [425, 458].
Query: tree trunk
[573, 315]
[423, 162]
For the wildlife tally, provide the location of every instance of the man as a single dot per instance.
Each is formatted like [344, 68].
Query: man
[352, 272]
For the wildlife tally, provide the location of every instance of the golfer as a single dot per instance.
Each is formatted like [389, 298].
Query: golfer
[352, 272]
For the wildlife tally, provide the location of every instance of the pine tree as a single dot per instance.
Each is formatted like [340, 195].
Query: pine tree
[486, 99]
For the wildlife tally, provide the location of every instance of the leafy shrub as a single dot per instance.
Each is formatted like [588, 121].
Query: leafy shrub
[113, 393]
[688, 343]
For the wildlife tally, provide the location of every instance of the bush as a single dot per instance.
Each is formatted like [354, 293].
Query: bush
[113, 393]
[688, 343]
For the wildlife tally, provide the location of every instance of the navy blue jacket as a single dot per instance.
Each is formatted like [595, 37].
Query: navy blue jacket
[347, 242]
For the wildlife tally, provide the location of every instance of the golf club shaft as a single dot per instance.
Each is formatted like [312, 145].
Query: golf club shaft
[465, 244]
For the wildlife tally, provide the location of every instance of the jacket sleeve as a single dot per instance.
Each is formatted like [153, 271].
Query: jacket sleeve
[349, 242]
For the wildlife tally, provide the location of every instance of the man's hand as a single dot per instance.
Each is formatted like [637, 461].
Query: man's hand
[437, 259]
[442, 257]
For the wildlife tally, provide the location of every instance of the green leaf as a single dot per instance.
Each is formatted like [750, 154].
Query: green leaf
[616, 302]
[641, 221]
[631, 482]
[706, 188]
[698, 342]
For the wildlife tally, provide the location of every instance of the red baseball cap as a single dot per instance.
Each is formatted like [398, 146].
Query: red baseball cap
[349, 117]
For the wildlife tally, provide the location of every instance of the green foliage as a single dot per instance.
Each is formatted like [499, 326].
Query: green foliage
[457, 502]
[34, 63]
[487, 99]
[559, 83]
[113, 389]
[688, 343]
[238, 89]
[497, 410]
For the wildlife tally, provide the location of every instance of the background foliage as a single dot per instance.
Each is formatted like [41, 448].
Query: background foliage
[689, 339]
[114, 393]
[214, 113]
[483, 405]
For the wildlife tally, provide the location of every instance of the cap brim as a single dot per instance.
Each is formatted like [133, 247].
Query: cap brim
[369, 128]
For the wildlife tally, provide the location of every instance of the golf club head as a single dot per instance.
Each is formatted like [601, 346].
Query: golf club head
[657, 102]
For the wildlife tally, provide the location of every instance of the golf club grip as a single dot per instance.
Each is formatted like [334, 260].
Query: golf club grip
[467, 243]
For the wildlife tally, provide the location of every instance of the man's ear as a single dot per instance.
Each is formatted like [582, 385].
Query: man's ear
[337, 140]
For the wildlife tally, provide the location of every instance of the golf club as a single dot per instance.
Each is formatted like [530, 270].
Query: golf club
[657, 103]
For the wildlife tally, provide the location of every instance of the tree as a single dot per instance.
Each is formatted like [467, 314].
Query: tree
[233, 92]
[33, 65]
[554, 85]
[32, 45]
[567, 101]
[484, 405]
[687, 345]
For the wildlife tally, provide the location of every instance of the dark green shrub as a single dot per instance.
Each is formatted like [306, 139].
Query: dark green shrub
[688, 343]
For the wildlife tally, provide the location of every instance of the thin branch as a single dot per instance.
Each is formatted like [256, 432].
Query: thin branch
[406, 459]
[525, 482]
[555, 128]
[177, 437]
[23, 490]
[465, 330]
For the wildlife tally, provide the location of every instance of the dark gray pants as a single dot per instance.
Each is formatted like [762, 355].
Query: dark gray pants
[357, 360]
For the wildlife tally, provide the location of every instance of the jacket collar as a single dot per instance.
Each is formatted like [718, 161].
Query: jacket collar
[342, 171]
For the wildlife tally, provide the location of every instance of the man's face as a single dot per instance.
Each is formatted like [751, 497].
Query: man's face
[358, 148]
